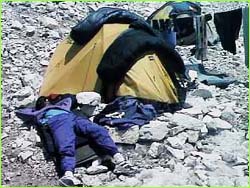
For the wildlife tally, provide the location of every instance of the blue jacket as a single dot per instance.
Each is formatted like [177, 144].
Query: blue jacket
[31, 114]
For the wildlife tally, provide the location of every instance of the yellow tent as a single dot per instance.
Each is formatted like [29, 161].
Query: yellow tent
[72, 69]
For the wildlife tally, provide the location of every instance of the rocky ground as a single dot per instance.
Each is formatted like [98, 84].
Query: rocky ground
[204, 145]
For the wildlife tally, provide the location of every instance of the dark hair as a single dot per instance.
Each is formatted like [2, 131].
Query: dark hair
[40, 102]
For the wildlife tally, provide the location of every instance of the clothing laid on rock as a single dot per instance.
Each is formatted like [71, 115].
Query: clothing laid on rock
[208, 78]
[125, 112]
[228, 26]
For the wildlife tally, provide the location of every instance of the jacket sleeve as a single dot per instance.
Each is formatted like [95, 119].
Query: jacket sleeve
[26, 114]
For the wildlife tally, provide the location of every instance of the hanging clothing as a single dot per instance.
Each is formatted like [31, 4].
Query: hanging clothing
[245, 16]
[228, 26]
[125, 112]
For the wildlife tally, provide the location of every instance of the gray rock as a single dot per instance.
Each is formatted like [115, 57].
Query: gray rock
[16, 25]
[178, 141]
[25, 155]
[4, 135]
[193, 136]
[194, 111]
[30, 31]
[179, 154]
[54, 35]
[155, 150]
[154, 131]
[44, 62]
[186, 121]
[215, 113]
[129, 136]
[141, 149]
[221, 124]
[229, 157]
[132, 182]
[90, 180]
[89, 98]
[228, 115]
[241, 181]
[220, 181]
[33, 80]
[240, 161]
[24, 92]
[25, 144]
[205, 94]
[48, 22]
[174, 131]
[190, 161]
[204, 131]
[26, 101]
[201, 174]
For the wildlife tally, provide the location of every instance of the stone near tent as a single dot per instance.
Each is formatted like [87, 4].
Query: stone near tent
[131, 182]
[30, 31]
[193, 136]
[89, 98]
[50, 7]
[190, 161]
[129, 136]
[154, 131]
[48, 22]
[196, 101]
[241, 181]
[220, 181]
[90, 180]
[54, 35]
[25, 102]
[24, 92]
[25, 155]
[44, 62]
[201, 174]
[221, 124]
[179, 154]
[155, 150]
[141, 149]
[215, 113]
[204, 131]
[194, 111]
[186, 121]
[16, 25]
[32, 80]
[229, 157]
[174, 131]
[178, 141]
[4, 135]
[25, 144]
[228, 115]
[204, 93]
[240, 161]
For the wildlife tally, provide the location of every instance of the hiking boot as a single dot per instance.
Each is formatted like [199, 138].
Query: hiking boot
[124, 168]
[67, 181]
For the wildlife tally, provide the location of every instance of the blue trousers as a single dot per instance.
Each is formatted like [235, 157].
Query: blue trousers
[65, 128]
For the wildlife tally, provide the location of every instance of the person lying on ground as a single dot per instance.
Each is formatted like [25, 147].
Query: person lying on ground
[65, 126]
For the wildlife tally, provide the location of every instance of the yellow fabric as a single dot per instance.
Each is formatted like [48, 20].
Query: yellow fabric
[149, 80]
[72, 68]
